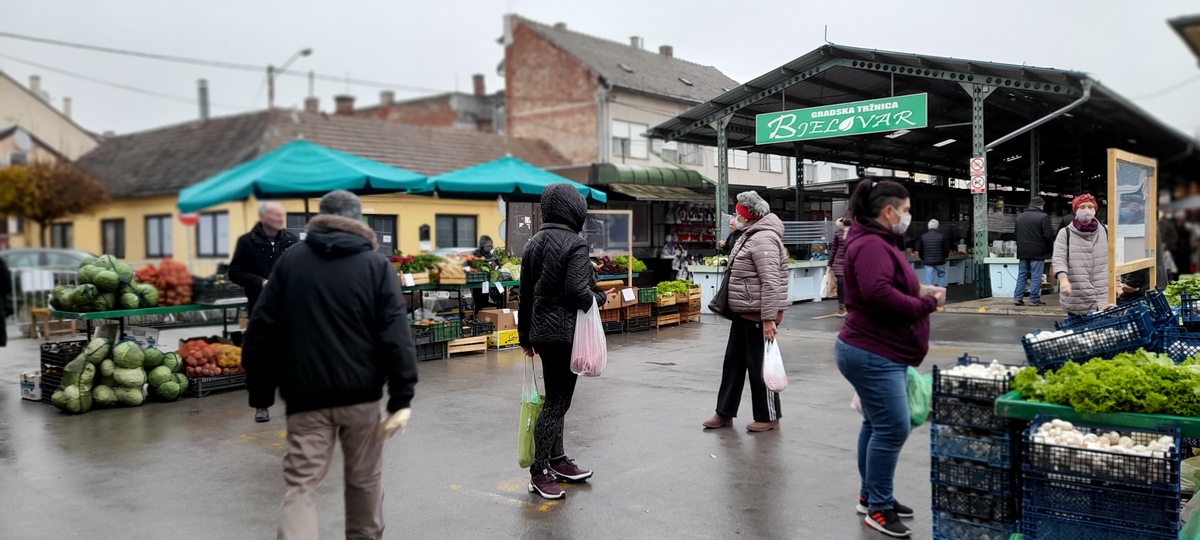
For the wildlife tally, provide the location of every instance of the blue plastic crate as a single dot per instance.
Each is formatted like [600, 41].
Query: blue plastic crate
[994, 449]
[1154, 302]
[1038, 524]
[979, 476]
[1178, 343]
[956, 412]
[1099, 466]
[947, 526]
[969, 388]
[976, 504]
[1189, 308]
[1102, 337]
[1151, 508]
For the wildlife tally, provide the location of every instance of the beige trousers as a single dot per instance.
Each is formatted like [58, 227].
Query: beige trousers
[310, 440]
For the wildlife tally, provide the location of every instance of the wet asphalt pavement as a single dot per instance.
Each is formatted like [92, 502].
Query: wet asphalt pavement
[202, 469]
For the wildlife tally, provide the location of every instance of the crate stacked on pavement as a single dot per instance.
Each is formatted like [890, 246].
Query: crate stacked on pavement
[1182, 339]
[975, 462]
[216, 290]
[1099, 335]
[665, 311]
[689, 308]
[1077, 486]
[54, 357]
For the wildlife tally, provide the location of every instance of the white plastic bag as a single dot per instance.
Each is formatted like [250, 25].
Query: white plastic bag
[589, 353]
[824, 290]
[773, 373]
[856, 404]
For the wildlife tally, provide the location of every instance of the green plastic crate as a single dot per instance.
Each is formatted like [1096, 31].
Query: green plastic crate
[447, 332]
[1011, 405]
[648, 295]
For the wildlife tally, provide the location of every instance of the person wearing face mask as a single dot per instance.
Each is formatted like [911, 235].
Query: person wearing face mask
[1081, 260]
[886, 331]
[735, 232]
[758, 296]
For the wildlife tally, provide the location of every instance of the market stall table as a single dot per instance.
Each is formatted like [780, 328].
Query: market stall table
[120, 315]
[1003, 272]
[804, 281]
[958, 271]
[459, 288]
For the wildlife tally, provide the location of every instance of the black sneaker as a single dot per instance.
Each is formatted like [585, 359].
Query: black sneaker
[262, 415]
[901, 510]
[1019, 303]
[887, 522]
[1037, 303]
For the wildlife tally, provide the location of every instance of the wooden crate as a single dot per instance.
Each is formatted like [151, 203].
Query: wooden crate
[636, 310]
[610, 315]
[468, 345]
[693, 304]
[694, 294]
[689, 316]
[664, 301]
[665, 320]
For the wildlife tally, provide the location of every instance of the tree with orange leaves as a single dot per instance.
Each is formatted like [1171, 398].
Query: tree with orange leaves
[46, 192]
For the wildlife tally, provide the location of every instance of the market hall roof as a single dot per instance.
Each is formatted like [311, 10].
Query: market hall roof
[1074, 144]
[165, 160]
[634, 68]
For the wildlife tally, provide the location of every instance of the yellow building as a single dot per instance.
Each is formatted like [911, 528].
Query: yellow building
[144, 173]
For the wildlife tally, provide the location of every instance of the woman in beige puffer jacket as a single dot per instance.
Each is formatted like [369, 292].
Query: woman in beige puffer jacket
[1081, 260]
[758, 295]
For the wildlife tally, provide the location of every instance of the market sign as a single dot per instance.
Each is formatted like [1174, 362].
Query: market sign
[856, 118]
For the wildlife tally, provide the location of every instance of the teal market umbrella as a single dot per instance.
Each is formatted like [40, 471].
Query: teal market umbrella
[508, 177]
[299, 169]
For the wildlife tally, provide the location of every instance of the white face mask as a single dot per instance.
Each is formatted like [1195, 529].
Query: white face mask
[1086, 216]
[905, 220]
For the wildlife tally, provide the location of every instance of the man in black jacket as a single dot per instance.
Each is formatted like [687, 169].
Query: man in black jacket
[257, 251]
[331, 327]
[1035, 244]
[557, 280]
[934, 250]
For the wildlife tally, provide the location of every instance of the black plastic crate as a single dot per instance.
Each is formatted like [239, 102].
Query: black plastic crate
[615, 327]
[59, 353]
[477, 277]
[970, 388]
[1154, 302]
[1117, 470]
[1099, 338]
[208, 291]
[1178, 343]
[995, 449]
[1189, 308]
[422, 334]
[974, 503]
[1155, 509]
[947, 526]
[665, 310]
[956, 412]
[477, 328]
[431, 351]
[1038, 524]
[638, 324]
[965, 474]
[203, 386]
[49, 385]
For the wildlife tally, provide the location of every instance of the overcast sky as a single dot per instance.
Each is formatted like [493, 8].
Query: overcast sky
[438, 44]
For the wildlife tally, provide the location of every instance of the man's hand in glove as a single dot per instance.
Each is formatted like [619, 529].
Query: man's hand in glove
[394, 423]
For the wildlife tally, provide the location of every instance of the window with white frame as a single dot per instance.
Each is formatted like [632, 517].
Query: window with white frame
[628, 140]
[691, 154]
[739, 159]
[212, 235]
[670, 151]
[840, 173]
[770, 163]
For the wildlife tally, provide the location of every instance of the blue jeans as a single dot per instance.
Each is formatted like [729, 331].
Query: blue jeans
[935, 270]
[1030, 270]
[882, 389]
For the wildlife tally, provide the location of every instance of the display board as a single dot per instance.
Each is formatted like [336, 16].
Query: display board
[610, 233]
[1132, 217]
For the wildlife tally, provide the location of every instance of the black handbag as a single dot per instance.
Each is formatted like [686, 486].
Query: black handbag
[720, 302]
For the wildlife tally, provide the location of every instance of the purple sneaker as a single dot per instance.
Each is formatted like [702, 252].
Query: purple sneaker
[567, 470]
[545, 485]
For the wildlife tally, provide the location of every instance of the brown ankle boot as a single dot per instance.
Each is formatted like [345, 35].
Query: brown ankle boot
[718, 422]
[763, 426]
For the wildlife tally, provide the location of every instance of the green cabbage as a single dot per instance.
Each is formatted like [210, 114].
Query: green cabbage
[147, 295]
[128, 354]
[124, 273]
[57, 297]
[182, 381]
[74, 370]
[130, 377]
[128, 301]
[73, 399]
[104, 395]
[97, 350]
[160, 375]
[172, 361]
[153, 358]
[169, 391]
[87, 377]
[107, 262]
[130, 396]
[87, 274]
[87, 261]
[86, 294]
[107, 367]
[109, 381]
[107, 280]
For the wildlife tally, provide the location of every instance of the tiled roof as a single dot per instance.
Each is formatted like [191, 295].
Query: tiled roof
[648, 71]
[166, 160]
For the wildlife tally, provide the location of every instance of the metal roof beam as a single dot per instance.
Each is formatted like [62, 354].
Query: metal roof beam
[958, 76]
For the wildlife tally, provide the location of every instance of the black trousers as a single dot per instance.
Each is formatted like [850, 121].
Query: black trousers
[840, 292]
[560, 388]
[744, 353]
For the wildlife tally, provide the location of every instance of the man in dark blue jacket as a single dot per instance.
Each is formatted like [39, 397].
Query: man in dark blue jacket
[1035, 244]
[934, 249]
[331, 328]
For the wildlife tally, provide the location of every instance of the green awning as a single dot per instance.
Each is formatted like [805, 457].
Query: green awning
[298, 169]
[615, 173]
[509, 177]
[645, 192]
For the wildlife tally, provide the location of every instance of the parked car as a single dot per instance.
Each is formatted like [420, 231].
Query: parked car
[43, 258]
[449, 252]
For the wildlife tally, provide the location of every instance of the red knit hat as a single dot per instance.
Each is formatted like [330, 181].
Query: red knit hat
[1080, 200]
[743, 211]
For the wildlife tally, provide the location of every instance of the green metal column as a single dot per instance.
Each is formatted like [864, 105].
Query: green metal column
[983, 288]
[1035, 159]
[722, 171]
[800, 179]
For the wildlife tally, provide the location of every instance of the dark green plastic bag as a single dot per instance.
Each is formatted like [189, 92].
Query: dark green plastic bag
[920, 392]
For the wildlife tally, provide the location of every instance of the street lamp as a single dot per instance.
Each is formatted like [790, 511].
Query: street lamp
[1188, 28]
[271, 71]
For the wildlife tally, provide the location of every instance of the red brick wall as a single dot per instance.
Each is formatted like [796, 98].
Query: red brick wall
[549, 95]
[434, 112]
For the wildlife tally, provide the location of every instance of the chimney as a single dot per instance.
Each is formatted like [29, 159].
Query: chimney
[202, 91]
[666, 50]
[344, 105]
[312, 105]
[387, 98]
[66, 109]
[635, 42]
[35, 85]
[560, 26]
[480, 84]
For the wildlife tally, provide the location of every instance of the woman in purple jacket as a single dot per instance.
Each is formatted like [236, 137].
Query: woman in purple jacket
[886, 330]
